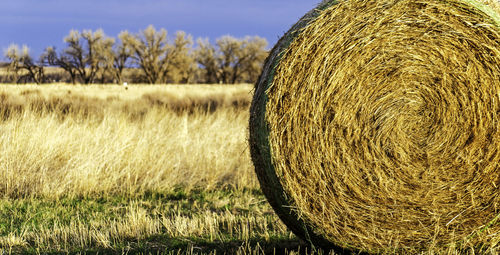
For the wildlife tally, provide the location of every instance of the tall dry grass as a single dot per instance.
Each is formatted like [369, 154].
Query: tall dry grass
[66, 141]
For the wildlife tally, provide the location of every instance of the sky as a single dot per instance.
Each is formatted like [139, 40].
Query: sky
[42, 23]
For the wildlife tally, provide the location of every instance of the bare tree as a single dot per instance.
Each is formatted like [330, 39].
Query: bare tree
[114, 59]
[121, 54]
[179, 62]
[62, 60]
[206, 57]
[13, 55]
[229, 48]
[20, 59]
[159, 60]
[251, 59]
[149, 48]
[85, 55]
[231, 60]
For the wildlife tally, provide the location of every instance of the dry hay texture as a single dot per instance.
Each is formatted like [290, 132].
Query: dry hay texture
[374, 126]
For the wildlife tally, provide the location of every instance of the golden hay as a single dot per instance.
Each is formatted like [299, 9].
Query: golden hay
[374, 126]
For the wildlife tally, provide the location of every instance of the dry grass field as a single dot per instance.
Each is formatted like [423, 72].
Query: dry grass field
[150, 169]
[103, 140]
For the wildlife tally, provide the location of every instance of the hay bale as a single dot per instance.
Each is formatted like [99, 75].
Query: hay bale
[374, 125]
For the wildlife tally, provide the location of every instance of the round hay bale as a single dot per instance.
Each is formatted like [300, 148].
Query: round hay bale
[375, 125]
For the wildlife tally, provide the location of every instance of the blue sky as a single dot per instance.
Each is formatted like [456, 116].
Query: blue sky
[42, 23]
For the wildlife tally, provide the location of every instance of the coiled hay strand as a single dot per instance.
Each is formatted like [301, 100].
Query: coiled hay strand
[374, 126]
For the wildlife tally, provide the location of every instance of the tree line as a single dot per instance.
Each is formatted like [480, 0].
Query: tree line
[149, 56]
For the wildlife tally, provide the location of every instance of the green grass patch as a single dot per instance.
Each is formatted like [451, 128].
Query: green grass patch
[223, 221]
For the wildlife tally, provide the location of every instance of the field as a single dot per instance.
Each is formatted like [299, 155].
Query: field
[148, 169]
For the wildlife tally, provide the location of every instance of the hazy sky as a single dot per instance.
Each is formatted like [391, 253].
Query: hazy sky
[42, 23]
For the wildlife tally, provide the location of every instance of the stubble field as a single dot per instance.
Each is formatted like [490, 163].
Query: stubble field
[150, 169]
